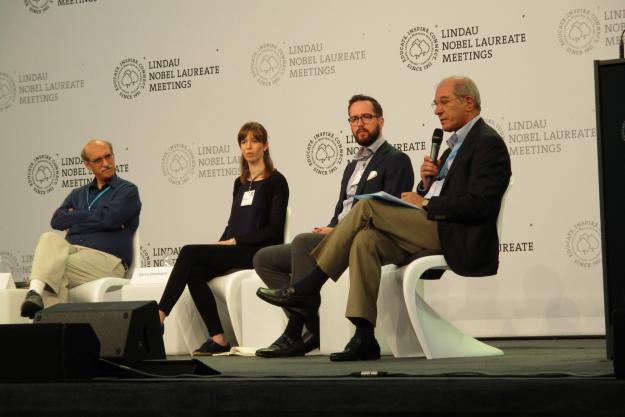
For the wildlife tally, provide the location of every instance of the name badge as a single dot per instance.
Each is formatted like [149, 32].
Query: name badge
[248, 198]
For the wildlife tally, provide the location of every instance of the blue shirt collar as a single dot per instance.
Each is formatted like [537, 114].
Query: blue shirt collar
[464, 130]
[111, 183]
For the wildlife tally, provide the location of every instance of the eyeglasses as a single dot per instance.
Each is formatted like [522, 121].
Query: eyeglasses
[99, 160]
[443, 102]
[366, 118]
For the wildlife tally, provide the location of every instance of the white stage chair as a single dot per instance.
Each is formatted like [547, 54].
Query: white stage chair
[261, 322]
[395, 329]
[335, 330]
[227, 292]
[11, 299]
[107, 288]
[402, 300]
[102, 289]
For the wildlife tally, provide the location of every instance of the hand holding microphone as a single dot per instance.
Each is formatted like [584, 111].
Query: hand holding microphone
[429, 169]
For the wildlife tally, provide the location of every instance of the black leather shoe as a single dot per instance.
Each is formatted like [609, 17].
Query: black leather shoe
[285, 297]
[284, 347]
[32, 304]
[358, 350]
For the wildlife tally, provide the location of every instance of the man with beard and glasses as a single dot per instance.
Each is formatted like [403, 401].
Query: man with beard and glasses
[377, 166]
[99, 220]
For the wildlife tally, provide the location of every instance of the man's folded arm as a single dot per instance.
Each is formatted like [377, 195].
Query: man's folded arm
[66, 215]
[112, 214]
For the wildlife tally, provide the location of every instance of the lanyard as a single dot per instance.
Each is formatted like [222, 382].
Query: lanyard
[97, 197]
[252, 181]
[450, 158]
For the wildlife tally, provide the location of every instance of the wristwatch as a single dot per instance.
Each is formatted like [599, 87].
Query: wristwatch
[424, 204]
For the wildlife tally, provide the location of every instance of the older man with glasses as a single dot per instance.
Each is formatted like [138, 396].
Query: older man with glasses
[99, 220]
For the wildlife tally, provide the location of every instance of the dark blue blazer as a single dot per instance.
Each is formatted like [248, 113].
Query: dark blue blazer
[468, 206]
[394, 175]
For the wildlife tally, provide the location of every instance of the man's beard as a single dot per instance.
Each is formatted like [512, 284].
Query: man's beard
[368, 141]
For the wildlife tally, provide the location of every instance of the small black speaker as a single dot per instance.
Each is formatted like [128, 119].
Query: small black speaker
[50, 351]
[129, 331]
[618, 321]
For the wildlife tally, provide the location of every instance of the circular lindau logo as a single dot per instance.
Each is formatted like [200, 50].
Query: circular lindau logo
[8, 91]
[178, 164]
[418, 48]
[268, 64]
[43, 174]
[324, 153]
[495, 125]
[129, 78]
[579, 31]
[583, 243]
[38, 6]
[9, 263]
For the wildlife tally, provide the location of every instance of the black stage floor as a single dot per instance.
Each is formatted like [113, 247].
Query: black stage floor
[534, 378]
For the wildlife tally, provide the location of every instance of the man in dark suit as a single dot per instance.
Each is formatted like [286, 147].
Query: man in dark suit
[460, 196]
[377, 166]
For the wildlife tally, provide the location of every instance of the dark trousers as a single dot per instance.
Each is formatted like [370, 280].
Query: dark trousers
[281, 265]
[195, 266]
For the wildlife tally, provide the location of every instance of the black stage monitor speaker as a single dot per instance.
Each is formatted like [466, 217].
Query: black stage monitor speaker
[50, 351]
[129, 331]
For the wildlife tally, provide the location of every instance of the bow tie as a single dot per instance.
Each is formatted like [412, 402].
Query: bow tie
[363, 154]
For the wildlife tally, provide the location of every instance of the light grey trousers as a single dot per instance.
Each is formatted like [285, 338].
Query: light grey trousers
[62, 265]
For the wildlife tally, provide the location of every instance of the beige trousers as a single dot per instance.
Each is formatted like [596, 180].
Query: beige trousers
[373, 234]
[62, 265]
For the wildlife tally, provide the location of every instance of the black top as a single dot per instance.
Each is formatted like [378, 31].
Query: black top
[262, 222]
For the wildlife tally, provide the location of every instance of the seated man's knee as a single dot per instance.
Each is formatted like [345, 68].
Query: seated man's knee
[261, 258]
[305, 242]
[50, 236]
[301, 239]
[364, 205]
[365, 239]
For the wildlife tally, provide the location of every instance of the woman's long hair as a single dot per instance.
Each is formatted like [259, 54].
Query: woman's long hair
[259, 133]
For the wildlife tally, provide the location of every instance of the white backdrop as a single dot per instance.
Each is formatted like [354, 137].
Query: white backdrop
[170, 83]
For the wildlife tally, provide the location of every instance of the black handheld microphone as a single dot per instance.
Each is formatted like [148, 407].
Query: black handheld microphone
[620, 46]
[437, 139]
